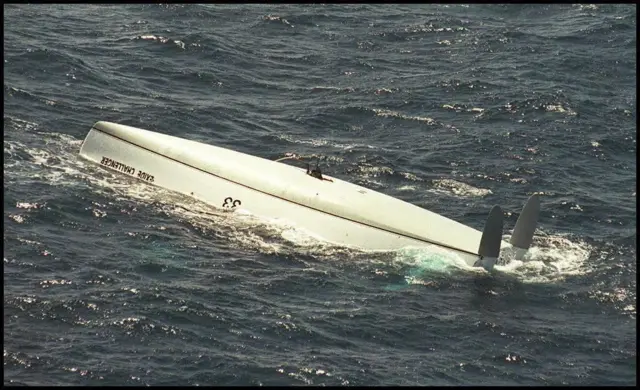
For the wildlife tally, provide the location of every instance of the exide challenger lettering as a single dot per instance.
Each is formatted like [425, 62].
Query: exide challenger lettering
[118, 166]
[145, 176]
[126, 169]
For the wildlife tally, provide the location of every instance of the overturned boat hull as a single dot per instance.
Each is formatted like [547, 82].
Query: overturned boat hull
[337, 211]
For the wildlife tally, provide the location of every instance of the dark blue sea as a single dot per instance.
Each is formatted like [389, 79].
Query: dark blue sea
[454, 108]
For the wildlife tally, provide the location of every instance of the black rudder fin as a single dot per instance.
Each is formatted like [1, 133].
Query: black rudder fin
[491, 241]
[522, 236]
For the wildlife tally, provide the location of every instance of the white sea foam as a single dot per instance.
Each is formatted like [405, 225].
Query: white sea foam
[457, 188]
[161, 39]
[395, 114]
[550, 260]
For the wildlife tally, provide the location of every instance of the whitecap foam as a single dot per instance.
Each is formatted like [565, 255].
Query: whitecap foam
[160, 39]
[558, 107]
[276, 18]
[588, 7]
[550, 259]
[453, 187]
[21, 124]
[374, 171]
[464, 108]
[395, 114]
[428, 260]
[323, 142]
[410, 176]
[427, 28]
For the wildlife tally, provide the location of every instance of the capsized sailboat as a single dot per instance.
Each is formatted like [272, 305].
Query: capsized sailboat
[338, 211]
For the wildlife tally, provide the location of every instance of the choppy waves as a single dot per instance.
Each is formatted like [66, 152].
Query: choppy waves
[450, 107]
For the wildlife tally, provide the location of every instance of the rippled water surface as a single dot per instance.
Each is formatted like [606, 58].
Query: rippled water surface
[455, 108]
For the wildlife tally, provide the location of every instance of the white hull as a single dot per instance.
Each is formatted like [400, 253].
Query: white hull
[339, 212]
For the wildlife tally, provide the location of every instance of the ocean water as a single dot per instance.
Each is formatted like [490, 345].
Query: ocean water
[455, 108]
